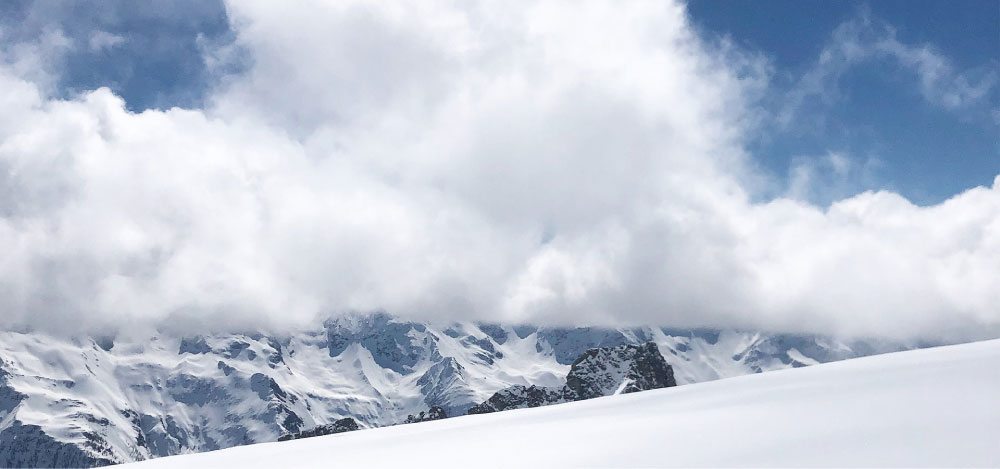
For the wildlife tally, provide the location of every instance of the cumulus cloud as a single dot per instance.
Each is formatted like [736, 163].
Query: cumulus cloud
[578, 163]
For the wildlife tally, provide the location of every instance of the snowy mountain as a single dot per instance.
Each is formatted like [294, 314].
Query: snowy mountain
[93, 401]
[935, 407]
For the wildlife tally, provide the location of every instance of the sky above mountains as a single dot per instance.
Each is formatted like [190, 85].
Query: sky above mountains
[801, 166]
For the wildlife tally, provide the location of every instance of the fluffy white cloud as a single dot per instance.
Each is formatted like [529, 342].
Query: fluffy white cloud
[558, 163]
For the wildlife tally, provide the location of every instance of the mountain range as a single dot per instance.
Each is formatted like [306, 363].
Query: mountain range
[934, 407]
[86, 401]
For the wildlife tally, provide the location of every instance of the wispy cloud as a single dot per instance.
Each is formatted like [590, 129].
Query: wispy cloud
[868, 41]
[830, 177]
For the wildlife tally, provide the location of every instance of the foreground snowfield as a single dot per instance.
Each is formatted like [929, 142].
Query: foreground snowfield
[931, 407]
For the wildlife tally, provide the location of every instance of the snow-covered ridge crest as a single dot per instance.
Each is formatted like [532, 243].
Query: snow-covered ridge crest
[87, 401]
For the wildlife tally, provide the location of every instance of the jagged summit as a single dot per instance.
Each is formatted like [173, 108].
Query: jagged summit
[622, 369]
[600, 371]
[434, 413]
[340, 426]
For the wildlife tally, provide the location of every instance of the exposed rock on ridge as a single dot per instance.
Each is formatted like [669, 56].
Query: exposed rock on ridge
[434, 413]
[340, 426]
[598, 372]
[623, 369]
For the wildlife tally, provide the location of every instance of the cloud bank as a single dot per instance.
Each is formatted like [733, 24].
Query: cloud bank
[578, 163]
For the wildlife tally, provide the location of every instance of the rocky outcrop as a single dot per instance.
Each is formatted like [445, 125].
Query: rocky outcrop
[194, 345]
[340, 426]
[622, 369]
[29, 446]
[434, 413]
[520, 397]
[598, 372]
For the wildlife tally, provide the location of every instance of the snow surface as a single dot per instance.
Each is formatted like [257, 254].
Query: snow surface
[930, 407]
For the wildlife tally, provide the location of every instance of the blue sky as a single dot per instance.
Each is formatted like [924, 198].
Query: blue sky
[921, 150]
[151, 56]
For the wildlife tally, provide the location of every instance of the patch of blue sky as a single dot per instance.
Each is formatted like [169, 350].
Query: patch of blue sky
[153, 54]
[918, 112]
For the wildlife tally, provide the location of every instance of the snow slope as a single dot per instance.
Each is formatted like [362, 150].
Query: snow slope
[930, 407]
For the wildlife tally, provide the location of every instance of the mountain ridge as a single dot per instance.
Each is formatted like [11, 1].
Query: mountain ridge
[120, 400]
[892, 410]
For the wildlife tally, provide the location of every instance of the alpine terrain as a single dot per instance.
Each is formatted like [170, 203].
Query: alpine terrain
[95, 401]
[934, 407]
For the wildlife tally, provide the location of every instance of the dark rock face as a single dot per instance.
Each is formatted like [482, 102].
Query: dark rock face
[163, 437]
[568, 344]
[434, 413]
[228, 370]
[235, 348]
[340, 426]
[194, 345]
[598, 372]
[105, 343]
[278, 409]
[520, 397]
[710, 336]
[266, 387]
[523, 331]
[488, 352]
[390, 341]
[495, 331]
[28, 446]
[195, 390]
[601, 371]
[276, 356]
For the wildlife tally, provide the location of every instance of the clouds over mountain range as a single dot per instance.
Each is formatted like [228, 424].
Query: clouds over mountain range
[560, 164]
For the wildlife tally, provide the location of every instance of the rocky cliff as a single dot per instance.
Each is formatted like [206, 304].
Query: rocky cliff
[601, 371]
